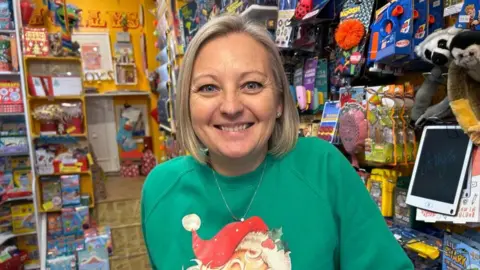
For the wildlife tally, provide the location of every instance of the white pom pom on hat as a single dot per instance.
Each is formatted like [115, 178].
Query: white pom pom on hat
[191, 222]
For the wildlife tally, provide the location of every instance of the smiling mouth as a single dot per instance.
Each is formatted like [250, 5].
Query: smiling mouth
[234, 128]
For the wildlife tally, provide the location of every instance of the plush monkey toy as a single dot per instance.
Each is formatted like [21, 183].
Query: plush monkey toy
[464, 82]
[435, 50]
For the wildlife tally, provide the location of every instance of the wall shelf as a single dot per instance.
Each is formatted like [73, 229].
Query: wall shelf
[119, 93]
[4, 237]
[19, 154]
[26, 198]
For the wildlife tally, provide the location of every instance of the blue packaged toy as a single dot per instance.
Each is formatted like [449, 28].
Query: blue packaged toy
[435, 15]
[393, 32]
[70, 190]
[420, 22]
[469, 16]
[460, 253]
[93, 259]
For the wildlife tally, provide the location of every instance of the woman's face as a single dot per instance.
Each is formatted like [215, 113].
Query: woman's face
[233, 100]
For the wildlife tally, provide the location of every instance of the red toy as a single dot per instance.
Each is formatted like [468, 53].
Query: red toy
[303, 7]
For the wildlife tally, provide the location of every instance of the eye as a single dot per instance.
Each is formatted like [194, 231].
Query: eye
[428, 54]
[208, 88]
[442, 44]
[252, 86]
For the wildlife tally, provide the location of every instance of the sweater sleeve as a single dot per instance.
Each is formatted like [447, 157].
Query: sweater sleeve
[365, 242]
[144, 216]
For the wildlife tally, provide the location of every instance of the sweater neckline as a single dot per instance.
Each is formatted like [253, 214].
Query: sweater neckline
[246, 180]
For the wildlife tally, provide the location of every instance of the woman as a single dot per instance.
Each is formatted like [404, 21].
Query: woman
[252, 195]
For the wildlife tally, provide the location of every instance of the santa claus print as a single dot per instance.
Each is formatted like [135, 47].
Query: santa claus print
[242, 245]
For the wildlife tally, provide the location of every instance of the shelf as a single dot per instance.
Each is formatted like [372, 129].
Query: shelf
[4, 237]
[91, 206]
[12, 114]
[16, 199]
[19, 154]
[54, 97]
[83, 135]
[119, 93]
[7, 31]
[31, 266]
[51, 58]
[66, 173]
[7, 73]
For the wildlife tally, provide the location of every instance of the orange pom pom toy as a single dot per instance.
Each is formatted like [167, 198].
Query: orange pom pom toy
[349, 33]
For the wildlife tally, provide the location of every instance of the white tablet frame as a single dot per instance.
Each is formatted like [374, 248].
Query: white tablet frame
[433, 205]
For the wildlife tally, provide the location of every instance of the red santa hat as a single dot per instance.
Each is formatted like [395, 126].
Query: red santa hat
[217, 251]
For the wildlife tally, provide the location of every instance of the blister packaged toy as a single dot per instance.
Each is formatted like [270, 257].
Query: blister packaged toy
[51, 193]
[396, 93]
[353, 130]
[460, 253]
[381, 186]
[469, 17]
[351, 36]
[380, 143]
[54, 225]
[62, 263]
[75, 220]
[321, 82]
[70, 190]
[410, 140]
[309, 75]
[392, 32]
[328, 126]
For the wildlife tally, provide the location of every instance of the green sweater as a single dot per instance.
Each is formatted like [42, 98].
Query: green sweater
[311, 211]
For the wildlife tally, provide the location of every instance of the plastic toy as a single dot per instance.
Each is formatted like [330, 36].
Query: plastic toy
[303, 7]
[309, 84]
[350, 61]
[353, 129]
[469, 17]
[301, 97]
[394, 31]
[380, 143]
[381, 185]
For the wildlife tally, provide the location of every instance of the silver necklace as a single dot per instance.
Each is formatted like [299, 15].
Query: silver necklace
[251, 200]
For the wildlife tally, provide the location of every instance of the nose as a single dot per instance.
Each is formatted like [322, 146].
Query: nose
[439, 59]
[231, 105]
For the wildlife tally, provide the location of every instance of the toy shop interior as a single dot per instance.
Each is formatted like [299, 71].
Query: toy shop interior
[87, 97]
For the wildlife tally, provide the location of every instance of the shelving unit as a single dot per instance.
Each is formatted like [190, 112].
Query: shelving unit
[17, 75]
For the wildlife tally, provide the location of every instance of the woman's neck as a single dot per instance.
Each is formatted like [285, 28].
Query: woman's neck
[235, 167]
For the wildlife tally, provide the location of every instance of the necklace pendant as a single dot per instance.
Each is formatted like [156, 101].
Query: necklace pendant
[242, 219]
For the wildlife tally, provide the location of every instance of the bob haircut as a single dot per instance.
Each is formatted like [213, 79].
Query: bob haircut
[285, 132]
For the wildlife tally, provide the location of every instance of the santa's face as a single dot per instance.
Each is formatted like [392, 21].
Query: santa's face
[246, 260]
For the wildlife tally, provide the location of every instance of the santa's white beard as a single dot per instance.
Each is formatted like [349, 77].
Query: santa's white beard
[255, 255]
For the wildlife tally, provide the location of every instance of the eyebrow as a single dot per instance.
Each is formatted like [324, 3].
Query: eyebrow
[215, 77]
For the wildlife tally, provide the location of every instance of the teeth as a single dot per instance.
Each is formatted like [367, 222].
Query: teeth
[235, 128]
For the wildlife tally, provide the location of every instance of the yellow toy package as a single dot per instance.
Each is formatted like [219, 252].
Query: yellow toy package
[23, 218]
[381, 186]
[28, 243]
[395, 92]
[380, 142]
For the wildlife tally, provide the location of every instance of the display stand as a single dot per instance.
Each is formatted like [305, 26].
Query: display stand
[16, 112]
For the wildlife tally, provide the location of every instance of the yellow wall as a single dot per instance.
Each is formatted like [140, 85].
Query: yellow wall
[106, 9]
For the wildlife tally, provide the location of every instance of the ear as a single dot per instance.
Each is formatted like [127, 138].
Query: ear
[279, 109]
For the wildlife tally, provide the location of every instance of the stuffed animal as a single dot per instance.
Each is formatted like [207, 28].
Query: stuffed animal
[464, 82]
[435, 50]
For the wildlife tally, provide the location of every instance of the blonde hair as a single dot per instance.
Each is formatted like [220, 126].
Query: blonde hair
[285, 132]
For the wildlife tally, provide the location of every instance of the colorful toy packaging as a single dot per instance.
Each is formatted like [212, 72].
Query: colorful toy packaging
[51, 193]
[75, 220]
[381, 186]
[54, 225]
[70, 190]
[380, 143]
[321, 82]
[469, 17]
[460, 253]
[329, 123]
[435, 15]
[100, 237]
[93, 259]
[29, 244]
[392, 32]
[23, 218]
[351, 37]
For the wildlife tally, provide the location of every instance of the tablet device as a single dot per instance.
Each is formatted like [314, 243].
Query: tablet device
[441, 165]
